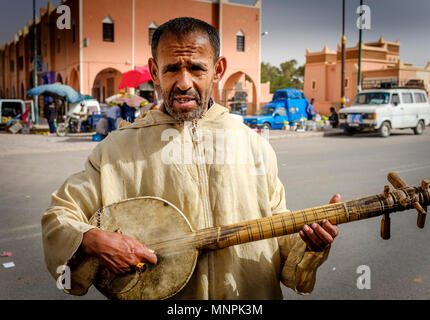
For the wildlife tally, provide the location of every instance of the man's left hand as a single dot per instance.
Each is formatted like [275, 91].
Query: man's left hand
[319, 236]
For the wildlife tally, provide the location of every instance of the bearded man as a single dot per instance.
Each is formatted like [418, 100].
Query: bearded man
[133, 162]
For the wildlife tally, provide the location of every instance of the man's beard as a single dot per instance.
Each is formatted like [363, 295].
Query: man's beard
[196, 113]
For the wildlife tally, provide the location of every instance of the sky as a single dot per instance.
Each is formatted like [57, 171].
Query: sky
[294, 25]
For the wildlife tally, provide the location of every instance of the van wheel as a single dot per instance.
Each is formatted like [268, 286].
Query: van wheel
[267, 126]
[61, 130]
[348, 131]
[419, 129]
[385, 130]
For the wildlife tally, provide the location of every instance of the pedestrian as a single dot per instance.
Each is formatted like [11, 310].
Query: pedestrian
[333, 118]
[82, 117]
[127, 112]
[52, 117]
[102, 126]
[133, 163]
[310, 110]
[112, 115]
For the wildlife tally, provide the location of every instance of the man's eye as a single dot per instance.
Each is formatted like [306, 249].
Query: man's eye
[197, 68]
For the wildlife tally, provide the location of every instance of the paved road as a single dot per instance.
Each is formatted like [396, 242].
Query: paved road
[312, 169]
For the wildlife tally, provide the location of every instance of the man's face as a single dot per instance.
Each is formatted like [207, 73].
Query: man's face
[185, 72]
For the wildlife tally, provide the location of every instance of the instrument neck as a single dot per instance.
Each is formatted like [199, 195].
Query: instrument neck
[292, 222]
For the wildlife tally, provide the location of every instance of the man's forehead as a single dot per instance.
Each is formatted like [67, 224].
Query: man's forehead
[193, 43]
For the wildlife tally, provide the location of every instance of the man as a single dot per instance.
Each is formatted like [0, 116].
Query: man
[333, 118]
[310, 110]
[112, 114]
[184, 67]
[82, 116]
[102, 126]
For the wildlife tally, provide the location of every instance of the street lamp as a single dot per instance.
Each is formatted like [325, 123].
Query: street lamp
[265, 33]
[342, 87]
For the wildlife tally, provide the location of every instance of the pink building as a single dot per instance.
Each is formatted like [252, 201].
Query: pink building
[110, 37]
[380, 63]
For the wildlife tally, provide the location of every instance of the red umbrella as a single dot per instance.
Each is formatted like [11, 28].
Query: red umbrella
[135, 78]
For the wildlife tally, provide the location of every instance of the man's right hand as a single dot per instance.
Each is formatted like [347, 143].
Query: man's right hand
[118, 252]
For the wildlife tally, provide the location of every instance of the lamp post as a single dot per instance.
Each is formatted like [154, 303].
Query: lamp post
[359, 50]
[343, 39]
[35, 98]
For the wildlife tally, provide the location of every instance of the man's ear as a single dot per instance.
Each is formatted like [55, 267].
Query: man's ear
[153, 69]
[220, 68]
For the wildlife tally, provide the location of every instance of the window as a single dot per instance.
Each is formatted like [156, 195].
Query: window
[281, 111]
[395, 98]
[151, 30]
[407, 97]
[45, 48]
[314, 84]
[12, 66]
[20, 63]
[346, 83]
[58, 45]
[240, 41]
[73, 32]
[108, 29]
[419, 97]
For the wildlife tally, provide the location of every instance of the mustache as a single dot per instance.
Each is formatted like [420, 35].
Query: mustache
[190, 92]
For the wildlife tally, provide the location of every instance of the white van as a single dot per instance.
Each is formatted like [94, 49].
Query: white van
[11, 108]
[382, 110]
[91, 106]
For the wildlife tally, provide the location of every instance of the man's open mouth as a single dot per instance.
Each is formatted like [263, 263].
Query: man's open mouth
[185, 101]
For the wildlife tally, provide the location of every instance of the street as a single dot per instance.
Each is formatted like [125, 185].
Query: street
[312, 170]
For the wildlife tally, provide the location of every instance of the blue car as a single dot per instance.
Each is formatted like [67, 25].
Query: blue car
[287, 106]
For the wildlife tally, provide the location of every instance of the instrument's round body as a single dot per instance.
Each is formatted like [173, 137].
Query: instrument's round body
[147, 219]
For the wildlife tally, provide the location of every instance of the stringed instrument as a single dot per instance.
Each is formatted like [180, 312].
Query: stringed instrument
[177, 253]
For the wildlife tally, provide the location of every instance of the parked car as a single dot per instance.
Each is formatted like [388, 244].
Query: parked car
[381, 110]
[10, 108]
[287, 106]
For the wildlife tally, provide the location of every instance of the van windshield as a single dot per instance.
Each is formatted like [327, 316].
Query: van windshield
[11, 109]
[267, 111]
[372, 98]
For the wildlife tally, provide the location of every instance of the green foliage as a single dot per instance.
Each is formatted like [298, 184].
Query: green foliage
[288, 75]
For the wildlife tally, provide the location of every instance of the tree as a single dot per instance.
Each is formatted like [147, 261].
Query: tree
[289, 75]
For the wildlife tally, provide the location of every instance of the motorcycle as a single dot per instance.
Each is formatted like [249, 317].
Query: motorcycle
[70, 125]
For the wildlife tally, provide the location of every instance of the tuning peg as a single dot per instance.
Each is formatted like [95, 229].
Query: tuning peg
[385, 227]
[396, 181]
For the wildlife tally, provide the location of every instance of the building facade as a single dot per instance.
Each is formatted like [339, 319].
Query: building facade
[380, 63]
[109, 37]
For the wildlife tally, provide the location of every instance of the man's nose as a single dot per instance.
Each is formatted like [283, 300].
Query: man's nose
[184, 81]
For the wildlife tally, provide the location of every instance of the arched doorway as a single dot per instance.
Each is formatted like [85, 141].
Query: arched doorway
[74, 80]
[59, 78]
[23, 95]
[240, 94]
[106, 84]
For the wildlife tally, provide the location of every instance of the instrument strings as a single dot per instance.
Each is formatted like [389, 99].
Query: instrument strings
[194, 240]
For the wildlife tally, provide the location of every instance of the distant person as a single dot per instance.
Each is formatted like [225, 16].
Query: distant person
[51, 117]
[102, 126]
[127, 112]
[83, 117]
[334, 118]
[310, 110]
[112, 114]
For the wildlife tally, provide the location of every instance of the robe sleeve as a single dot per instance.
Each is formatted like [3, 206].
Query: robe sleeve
[65, 222]
[298, 266]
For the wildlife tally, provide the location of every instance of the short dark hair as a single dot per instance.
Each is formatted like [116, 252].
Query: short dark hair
[180, 27]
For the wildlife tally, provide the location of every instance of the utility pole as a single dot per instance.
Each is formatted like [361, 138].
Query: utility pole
[359, 50]
[343, 40]
[36, 107]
